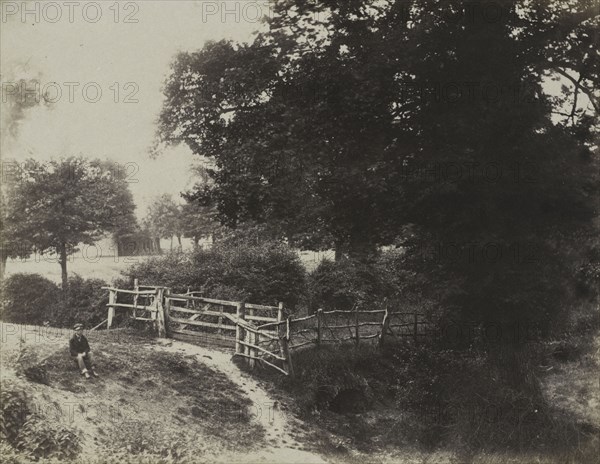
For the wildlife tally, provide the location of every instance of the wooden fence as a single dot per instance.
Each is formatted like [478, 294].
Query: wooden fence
[260, 333]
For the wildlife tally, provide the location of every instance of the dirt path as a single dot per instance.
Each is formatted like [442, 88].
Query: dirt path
[282, 447]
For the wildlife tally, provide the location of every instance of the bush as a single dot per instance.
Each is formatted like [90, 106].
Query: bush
[39, 439]
[265, 272]
[342, 284]
[33, 299]
[29, 299]
[86, 303]
[29, 433]
[13, 412]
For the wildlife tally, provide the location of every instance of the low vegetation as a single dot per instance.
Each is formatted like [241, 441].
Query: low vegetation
[426, 399]
[240, 268]
[33, 299]
[147, 405]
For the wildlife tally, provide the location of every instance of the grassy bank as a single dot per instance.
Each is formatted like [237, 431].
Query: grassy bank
[147, 406]
[430, 400]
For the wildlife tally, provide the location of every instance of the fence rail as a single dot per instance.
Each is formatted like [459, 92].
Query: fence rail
[259, 333]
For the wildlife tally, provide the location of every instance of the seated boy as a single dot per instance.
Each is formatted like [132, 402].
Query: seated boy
[80, 351]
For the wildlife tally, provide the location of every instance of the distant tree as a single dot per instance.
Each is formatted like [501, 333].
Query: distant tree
[59, 204]
[198, 221]
[163, 218]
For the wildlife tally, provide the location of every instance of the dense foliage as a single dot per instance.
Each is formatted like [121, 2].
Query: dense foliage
[29, 433]
[344, 284]
[239, 268]
[431, 124]
[33, 299]
[28, 298]
[433, 400]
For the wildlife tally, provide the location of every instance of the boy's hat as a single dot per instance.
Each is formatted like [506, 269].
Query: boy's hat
[78, 326]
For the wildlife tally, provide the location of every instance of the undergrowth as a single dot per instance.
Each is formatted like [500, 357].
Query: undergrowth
[433, 399]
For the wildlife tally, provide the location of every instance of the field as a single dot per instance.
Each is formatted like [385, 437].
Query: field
[106, 268]
[110, 267]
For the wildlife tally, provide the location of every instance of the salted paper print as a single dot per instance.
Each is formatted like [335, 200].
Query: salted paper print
[299, 231]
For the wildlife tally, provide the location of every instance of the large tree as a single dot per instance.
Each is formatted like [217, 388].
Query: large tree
[57, 205]
[347, 120]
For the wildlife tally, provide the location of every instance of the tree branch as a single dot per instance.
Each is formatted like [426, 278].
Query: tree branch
[579, 86]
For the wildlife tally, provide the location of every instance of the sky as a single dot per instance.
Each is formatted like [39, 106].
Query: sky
[103, 64]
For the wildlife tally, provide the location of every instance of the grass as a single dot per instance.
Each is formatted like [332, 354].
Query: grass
[164, 406]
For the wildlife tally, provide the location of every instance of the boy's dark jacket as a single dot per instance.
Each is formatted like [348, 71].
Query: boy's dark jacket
[77, 346]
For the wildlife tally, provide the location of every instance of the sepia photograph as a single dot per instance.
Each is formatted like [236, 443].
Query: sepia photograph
[300, 231]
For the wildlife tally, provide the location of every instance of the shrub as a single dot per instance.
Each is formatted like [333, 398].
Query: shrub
[29, 298]
[342, 284]
[39, 439]
[33, 299]
[264, 272]
[13, 412]
[85, 303]
[29, 433]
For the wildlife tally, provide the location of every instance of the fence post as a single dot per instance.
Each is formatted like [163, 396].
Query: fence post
[251, 338]
[285, 348]
[319, 326]
[167, 312]
[416, 328]
[112, 299]
[249, 351]
[240, 313]
[160, 313]
[136, 287]
[385, 325]
[357, 327]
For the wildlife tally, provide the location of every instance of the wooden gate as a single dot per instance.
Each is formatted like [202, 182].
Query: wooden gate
[142, 305]
[252, 330]
[202, 319]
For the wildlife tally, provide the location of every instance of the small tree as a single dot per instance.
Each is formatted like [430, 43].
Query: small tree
[62, 203]
[163, 218]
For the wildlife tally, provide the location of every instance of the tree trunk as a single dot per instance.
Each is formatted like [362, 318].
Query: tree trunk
[3, 266]
[63, 266]
[179, 241]
[171, 248]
